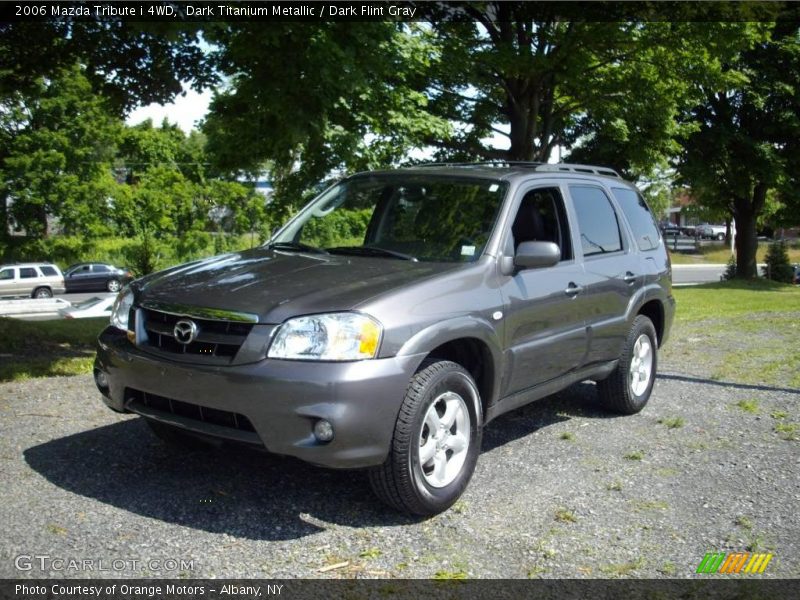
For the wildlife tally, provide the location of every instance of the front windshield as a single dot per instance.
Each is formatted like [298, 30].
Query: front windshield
[414, 217]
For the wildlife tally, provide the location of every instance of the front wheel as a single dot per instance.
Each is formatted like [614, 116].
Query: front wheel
[113, 286]
[437, 438]
[721, 237]
[627, 389]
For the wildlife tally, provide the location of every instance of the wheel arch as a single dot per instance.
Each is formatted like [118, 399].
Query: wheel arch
[654, 310]
[469, 342]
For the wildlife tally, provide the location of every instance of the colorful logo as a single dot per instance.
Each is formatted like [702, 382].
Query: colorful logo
[733, 562]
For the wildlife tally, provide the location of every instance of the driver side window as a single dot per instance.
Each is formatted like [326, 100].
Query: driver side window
[541, 217]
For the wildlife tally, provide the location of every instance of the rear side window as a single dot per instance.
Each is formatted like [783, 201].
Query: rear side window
[639, 216]
[27, 273]
[100, 269]
[597, 221]
[49, 272]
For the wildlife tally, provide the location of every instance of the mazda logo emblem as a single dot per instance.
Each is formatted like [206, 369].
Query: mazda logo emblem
[185, 331]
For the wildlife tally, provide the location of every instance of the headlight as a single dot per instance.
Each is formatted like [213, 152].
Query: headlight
[335, 336]
[121, 309]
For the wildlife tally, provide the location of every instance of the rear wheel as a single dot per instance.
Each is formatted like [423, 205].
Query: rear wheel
[628, 388]
[721, 237]
[42, 292]
[113, 285]
[436, 442]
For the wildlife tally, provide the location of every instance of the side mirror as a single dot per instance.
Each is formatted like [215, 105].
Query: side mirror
[533, 255]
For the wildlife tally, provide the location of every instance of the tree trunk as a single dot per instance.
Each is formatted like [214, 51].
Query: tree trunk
[745, 211]
[3, 219]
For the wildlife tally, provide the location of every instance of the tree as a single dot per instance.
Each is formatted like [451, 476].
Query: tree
[58, 142]
[605, 87]
[747, 142]
[128, 63]
[326, 97]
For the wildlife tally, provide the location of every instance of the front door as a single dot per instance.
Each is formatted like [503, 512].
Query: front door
[545, 320]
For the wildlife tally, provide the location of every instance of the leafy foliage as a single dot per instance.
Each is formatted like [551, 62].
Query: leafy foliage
[325, 96]
[746, 145]
[128, 63]
[778, 267]
[58, 143]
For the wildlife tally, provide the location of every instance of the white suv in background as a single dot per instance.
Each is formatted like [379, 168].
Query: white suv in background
[37, 280]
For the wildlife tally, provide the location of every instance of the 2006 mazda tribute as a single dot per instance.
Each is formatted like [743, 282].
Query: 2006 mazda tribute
[396, 315]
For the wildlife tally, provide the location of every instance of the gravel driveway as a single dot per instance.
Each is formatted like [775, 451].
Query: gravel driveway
[561, 490]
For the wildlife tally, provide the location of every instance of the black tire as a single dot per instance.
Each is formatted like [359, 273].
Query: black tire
[721, 237]
[113, 285]
[42, 292]
[176, 438]
[617, 392]
[401, 481]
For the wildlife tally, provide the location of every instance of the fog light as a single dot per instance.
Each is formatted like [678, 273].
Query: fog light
[323, 431]
[100, 378]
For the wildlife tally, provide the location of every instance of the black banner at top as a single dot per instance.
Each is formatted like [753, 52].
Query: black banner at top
[392, 10]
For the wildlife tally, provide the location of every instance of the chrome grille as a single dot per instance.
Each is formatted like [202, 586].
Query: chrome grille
[217, 341]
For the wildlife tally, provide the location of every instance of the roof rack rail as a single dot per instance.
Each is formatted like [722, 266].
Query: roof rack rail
[536, 166]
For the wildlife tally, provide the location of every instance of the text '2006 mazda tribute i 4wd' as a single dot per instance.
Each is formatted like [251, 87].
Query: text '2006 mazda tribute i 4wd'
[398, 313]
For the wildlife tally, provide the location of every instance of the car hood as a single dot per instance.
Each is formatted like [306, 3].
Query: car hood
[276, 285]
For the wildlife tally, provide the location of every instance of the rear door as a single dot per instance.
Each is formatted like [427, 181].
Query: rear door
[28, 280]
[545, 308]
[612, 269]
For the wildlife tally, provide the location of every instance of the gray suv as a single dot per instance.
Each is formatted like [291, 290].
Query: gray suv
[396, 315]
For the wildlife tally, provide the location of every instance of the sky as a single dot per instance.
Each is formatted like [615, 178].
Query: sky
[185, 110]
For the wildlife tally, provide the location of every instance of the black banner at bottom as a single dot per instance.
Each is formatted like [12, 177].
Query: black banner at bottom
[290, 589]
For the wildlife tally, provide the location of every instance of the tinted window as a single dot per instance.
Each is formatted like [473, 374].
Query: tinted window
[427, 217]
[541, 217]
[27, 273]
[597, 221]
[49, 271]
[639, 216]
[100, 269]
[7, 274]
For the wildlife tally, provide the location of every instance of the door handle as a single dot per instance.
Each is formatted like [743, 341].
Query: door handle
[573, 290]
[629, 277]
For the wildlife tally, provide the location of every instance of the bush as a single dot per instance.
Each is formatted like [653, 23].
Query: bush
[730, 269]
[778, 267]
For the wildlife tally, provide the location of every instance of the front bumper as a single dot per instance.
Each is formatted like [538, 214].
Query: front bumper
[282, 399]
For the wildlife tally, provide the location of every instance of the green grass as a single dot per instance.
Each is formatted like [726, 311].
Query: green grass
[748, 406]
[635, 455]
[47, 348]
[731, 299]
[623, 569]
[567, 435]
[787, 431]
[737, 332]
[673, 422]
[448, 575]
[721, 253]
[563, 515]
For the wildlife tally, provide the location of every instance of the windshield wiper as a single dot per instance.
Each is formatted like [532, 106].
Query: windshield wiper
[371, 251]
[297, 246]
